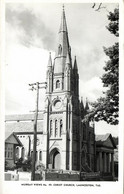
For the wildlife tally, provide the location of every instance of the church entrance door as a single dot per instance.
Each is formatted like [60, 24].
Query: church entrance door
[56, 160]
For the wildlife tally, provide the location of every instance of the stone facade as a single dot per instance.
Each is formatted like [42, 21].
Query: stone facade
[105, 154]
[63, 141]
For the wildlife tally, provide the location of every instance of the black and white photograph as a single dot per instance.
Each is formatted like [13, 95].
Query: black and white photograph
[61, 92]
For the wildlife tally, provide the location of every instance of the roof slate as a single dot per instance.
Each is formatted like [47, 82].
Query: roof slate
[13, 139]
[102, 137]
[23, 117]
[105, 140]
[18, 127]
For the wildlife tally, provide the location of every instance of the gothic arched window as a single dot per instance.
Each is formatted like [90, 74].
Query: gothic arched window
[51, 128]
[61, 125]
[56, 128]
[57, 84]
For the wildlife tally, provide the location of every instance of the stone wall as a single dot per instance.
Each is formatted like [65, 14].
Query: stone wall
[61, 176]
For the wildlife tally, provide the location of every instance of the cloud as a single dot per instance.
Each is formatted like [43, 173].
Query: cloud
[91, 89]
[31, 27]
[24, 66]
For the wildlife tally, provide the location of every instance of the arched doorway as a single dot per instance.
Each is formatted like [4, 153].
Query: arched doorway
[55, 159]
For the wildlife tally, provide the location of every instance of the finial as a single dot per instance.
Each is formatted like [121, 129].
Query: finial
[49, 53]
[63, 7]
[87, 101]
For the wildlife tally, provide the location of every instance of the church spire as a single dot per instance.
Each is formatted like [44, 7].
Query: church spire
[75, 64]
[63, 26]
[86, 106]
[82, 104]
[63, 46]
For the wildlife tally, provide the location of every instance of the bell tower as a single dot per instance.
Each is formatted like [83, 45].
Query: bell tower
[61, 131]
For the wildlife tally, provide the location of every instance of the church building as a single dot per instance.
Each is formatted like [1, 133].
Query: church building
[64, 141]
[63, 131]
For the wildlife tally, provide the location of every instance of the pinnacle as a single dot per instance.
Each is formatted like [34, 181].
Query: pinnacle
[75, 64]
[82, 104]
[50, 60]
[87, 104]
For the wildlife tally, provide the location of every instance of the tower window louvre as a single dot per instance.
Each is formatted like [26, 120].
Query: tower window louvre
[57, 84]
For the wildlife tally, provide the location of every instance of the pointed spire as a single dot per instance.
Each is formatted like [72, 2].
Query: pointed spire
[82, 104]
[62, 46]
[75, 64]
[86, 106]
[50, 60]
[63, 26]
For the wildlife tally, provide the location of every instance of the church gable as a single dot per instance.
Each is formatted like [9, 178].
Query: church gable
[13, 139]
[105, 141]
[109, 142]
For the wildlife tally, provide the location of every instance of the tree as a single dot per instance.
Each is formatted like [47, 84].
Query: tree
[107, 107]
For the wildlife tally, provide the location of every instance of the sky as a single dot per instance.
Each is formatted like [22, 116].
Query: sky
[32, 32]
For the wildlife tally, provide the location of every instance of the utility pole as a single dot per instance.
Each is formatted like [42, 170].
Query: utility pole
[35, 86]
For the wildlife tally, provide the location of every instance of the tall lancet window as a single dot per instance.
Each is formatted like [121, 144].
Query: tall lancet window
[56, 128]
[57, 84]
[61, 125]
[51, 128]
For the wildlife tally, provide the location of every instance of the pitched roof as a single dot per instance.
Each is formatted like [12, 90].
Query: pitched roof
[105, 140]
[22, 117]
[102, 137]
[12, 138]
[22, 124]
[17, 127]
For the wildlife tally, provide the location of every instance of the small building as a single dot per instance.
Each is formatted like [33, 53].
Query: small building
[23, 126]
[11, 142]
[105, 154]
